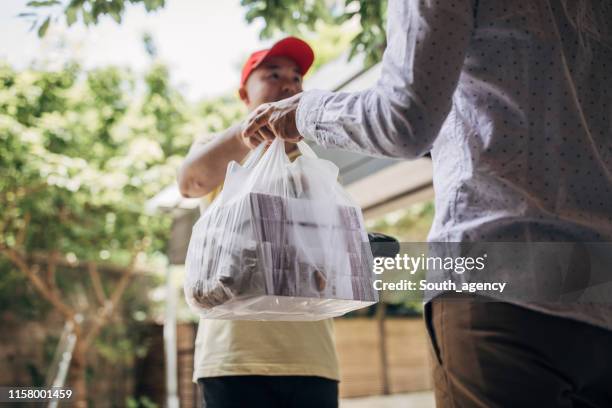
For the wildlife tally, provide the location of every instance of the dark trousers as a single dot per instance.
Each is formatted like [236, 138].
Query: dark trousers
[254, 391]
[494, 354]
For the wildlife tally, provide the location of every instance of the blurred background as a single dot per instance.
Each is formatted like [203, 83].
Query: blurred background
[99, 102]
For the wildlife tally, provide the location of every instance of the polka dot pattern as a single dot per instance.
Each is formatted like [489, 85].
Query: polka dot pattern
[514, 108]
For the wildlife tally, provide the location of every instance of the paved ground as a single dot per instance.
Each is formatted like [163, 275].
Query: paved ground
[412, 400]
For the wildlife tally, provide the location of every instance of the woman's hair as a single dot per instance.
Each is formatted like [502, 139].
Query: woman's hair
[592, 19]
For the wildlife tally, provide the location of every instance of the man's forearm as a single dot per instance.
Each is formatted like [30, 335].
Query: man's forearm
[205, 165]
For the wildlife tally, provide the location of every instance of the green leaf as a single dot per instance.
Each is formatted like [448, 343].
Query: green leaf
[116, 16]
[43, 3]
[252, 14]
[87, 17]
[151, 5]
[44, 27]
[71, 15]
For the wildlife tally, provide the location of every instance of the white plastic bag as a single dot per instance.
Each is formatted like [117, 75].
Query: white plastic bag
[282, 241]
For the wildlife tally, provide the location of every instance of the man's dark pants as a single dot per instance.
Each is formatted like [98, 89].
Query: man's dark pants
[494, 354]
[246, 391]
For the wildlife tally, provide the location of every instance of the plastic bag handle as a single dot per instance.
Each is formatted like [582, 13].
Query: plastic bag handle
[253, 156]
[306, 150]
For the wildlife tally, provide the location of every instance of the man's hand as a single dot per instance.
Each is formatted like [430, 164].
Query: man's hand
[272, 120]
[262, 135]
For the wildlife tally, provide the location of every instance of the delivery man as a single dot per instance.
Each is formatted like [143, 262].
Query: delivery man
[252, 363]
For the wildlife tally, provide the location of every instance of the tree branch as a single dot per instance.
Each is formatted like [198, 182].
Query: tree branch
[51, 268]
[42, 257]
[21, 234]
[92, 268]
[111, 305]
[51, 296]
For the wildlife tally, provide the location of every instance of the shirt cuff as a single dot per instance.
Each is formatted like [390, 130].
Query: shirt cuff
[309, 113]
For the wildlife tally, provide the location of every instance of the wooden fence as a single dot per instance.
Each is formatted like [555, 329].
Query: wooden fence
[358, 345]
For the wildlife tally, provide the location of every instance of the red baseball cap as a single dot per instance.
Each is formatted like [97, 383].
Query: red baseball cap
[290, 47]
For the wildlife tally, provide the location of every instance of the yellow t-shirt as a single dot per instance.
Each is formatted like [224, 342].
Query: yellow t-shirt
[242, 347]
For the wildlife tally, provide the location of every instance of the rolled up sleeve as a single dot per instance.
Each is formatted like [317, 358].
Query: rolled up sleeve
[402, 114]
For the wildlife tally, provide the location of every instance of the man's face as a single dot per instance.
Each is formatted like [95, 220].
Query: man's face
[275, 79]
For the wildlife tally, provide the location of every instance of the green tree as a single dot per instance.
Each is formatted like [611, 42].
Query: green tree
[303, 16]
[42, 13]
[80, 154]
[365, 18]
[328, 41]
